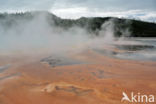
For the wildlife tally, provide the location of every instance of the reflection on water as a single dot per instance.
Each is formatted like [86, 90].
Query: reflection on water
[3, 68]
[135, 49]
[10, 76]
[58, 60]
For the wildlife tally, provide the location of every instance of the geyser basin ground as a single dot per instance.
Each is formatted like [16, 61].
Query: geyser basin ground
[99, 80]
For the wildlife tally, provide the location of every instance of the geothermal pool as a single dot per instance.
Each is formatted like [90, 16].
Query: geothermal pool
[131, 48]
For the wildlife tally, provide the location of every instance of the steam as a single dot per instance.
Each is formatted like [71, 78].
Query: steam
[107, 31]
[40, 34]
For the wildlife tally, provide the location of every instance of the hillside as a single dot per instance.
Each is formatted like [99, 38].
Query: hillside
[94, 24]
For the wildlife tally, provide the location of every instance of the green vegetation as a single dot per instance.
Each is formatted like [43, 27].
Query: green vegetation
[93, 25]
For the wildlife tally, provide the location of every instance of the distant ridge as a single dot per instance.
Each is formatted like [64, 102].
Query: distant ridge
[92, 24]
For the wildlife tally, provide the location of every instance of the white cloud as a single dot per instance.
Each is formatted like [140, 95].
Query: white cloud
[77, 12]
[71, 12]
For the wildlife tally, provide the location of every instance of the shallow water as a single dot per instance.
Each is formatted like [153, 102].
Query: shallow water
[134, 49]
[3, 68]
[56, 60]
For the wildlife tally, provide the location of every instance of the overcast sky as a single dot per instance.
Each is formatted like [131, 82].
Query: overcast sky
[139, 9]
